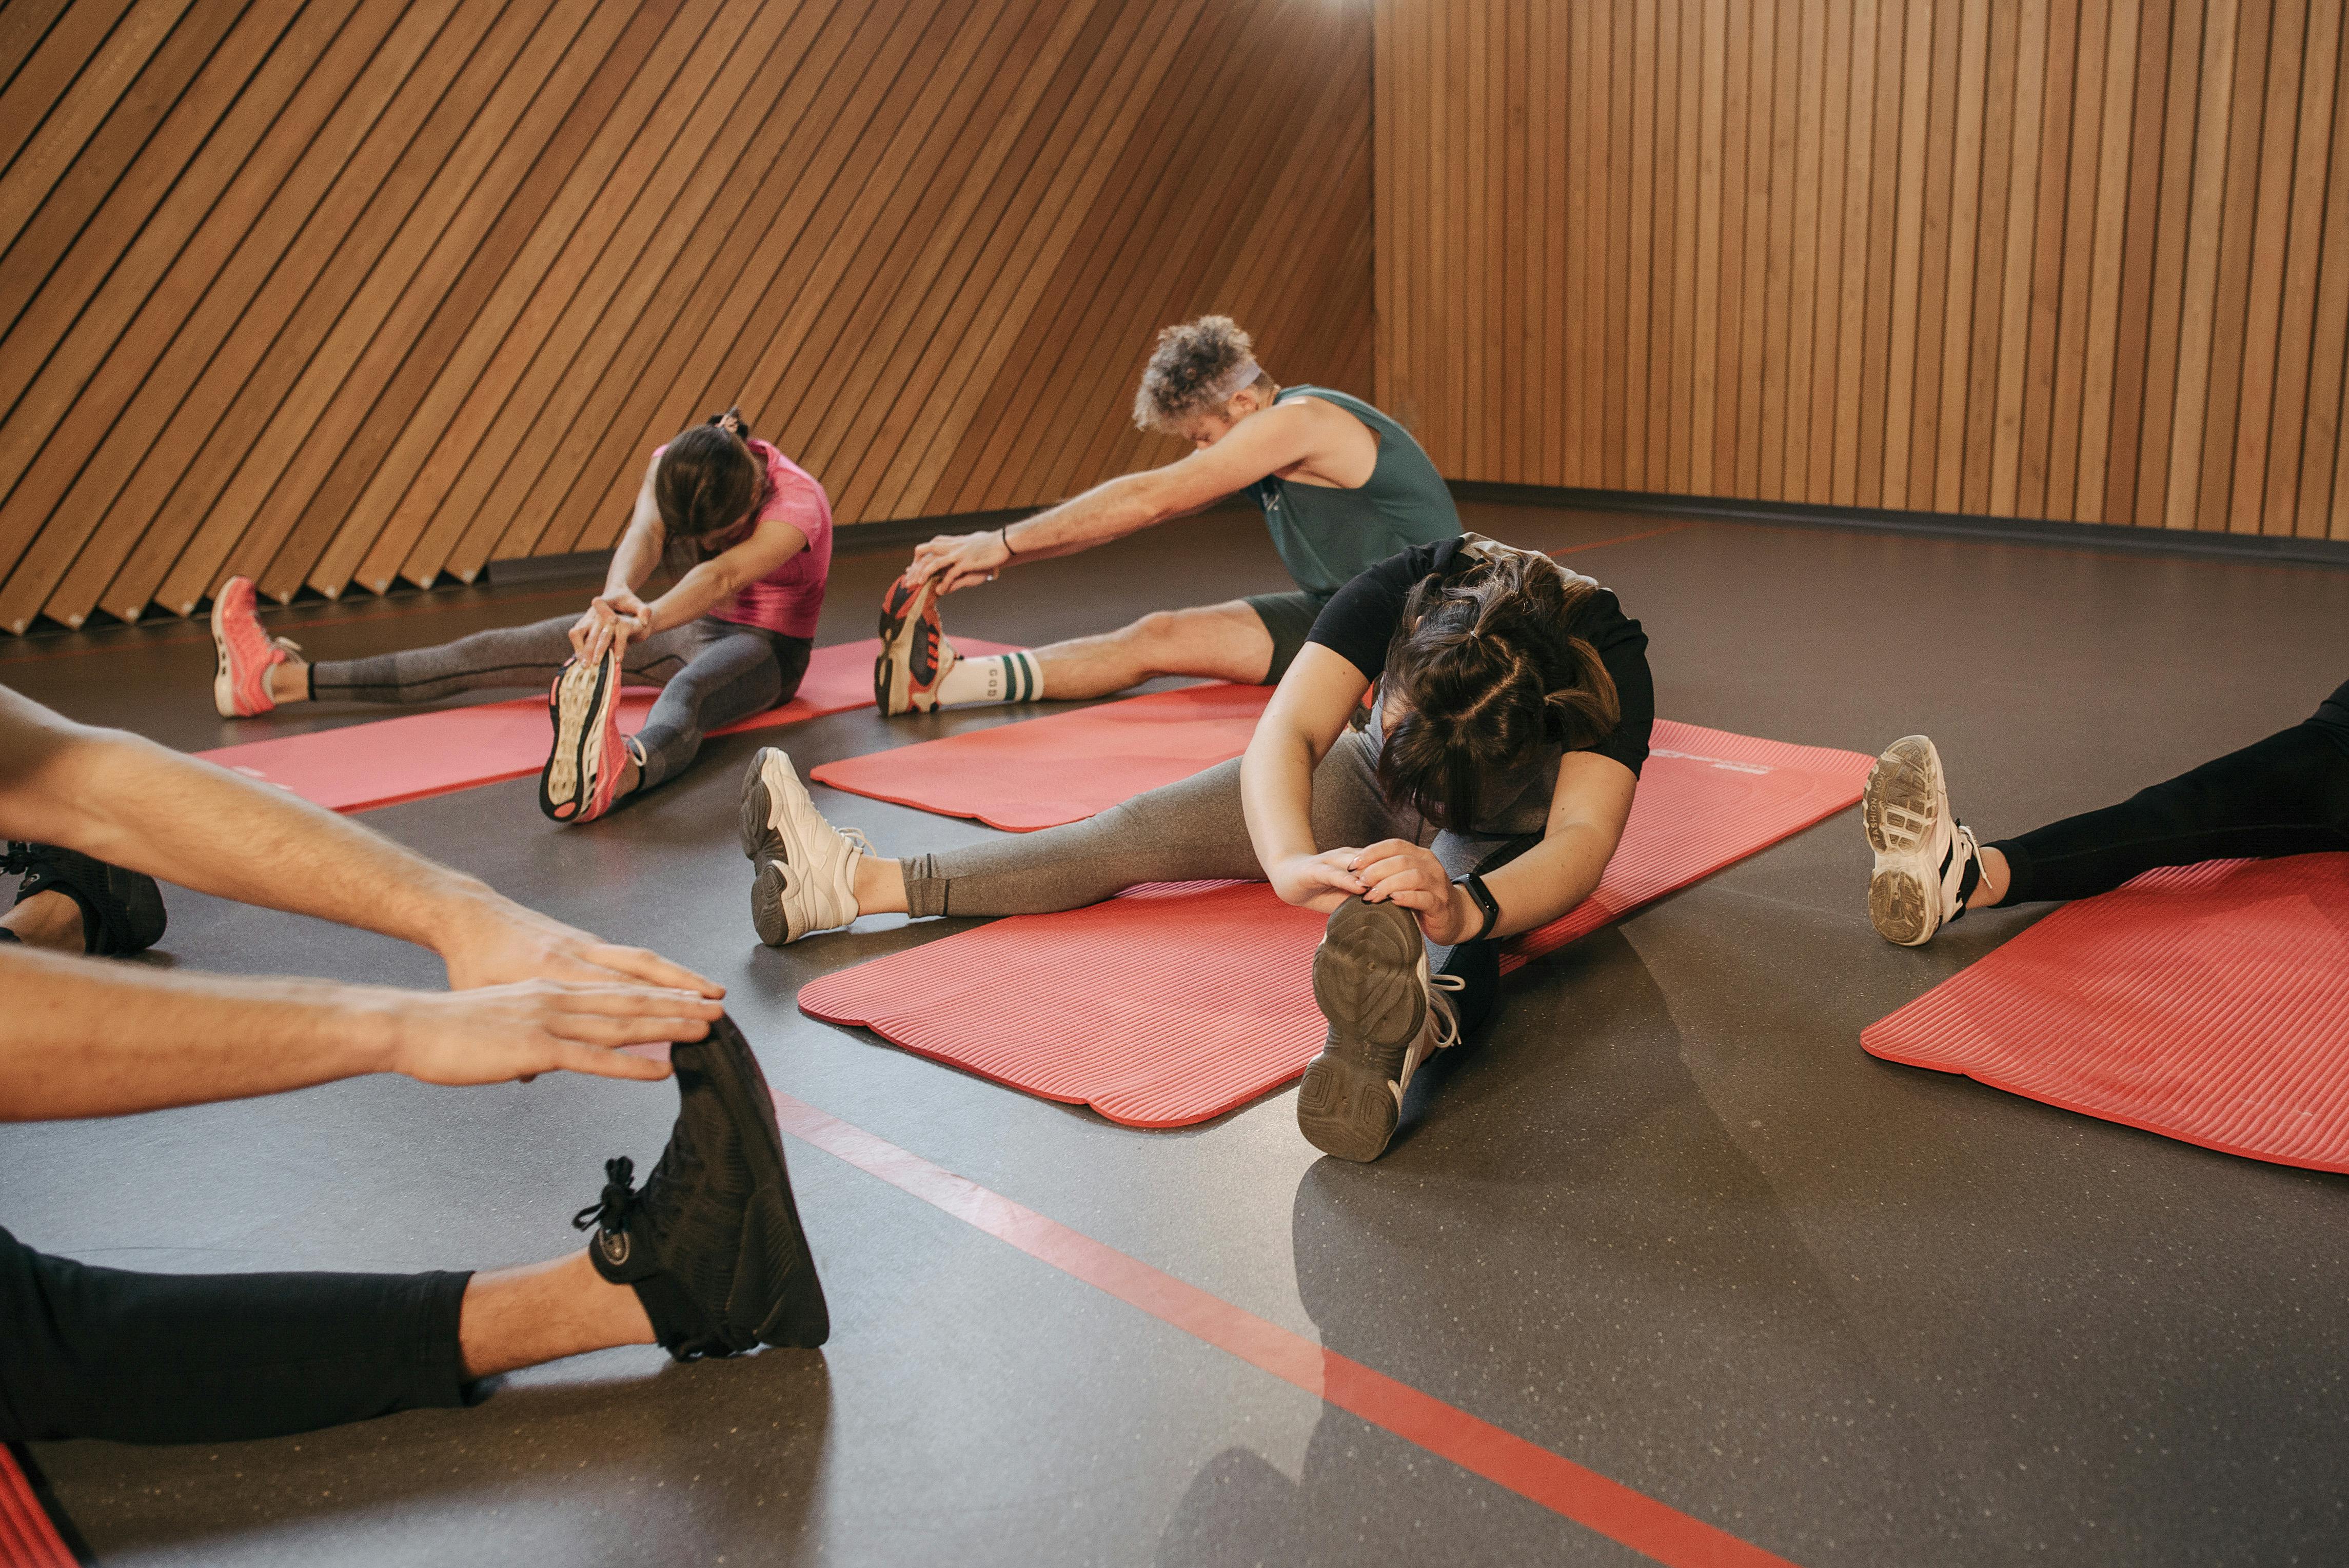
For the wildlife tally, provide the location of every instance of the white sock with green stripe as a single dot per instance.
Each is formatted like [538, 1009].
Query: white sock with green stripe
[1006, 678]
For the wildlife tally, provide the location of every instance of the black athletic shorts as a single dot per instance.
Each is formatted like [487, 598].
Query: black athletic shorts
[1288, 617]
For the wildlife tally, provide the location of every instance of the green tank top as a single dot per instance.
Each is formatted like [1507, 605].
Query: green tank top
[1325, 536]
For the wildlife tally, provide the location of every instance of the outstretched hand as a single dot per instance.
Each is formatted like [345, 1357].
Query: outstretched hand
[1319, 883]
[959, 559]
[503, 1033]
[511, 944]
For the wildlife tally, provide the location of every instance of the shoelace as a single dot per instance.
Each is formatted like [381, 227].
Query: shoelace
[1964, 835]
[1447, 1032]
[17, 859]
[619, 1200]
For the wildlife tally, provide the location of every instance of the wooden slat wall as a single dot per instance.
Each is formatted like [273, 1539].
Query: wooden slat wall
[2080, 259]
[333, 293]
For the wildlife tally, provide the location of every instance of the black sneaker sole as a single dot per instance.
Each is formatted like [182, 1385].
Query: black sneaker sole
[1366, 983]
[801, 1316]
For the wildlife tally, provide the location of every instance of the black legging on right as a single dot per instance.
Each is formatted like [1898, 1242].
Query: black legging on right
[2286, 795]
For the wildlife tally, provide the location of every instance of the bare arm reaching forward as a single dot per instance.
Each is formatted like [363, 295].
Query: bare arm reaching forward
[133, 803]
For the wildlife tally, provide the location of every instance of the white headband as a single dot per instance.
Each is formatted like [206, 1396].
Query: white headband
[1239, 380]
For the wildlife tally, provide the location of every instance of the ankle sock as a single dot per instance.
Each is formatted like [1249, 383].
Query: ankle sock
[1004, 677]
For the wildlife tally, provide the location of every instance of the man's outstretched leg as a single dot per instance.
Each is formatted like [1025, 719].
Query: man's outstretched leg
[919, 671]
[707, 1258]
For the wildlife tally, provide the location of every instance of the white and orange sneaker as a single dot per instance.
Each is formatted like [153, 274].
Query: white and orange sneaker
[246, 652]
[581, 779]
[915, 654]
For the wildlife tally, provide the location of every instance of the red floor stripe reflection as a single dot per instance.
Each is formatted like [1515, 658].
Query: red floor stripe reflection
[1589, 1499]
[27, 1538]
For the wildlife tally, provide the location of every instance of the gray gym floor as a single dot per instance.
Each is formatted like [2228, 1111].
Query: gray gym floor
[1667, 1220]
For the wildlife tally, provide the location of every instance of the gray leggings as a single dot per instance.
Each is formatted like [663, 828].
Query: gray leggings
[710, 673]
[1194, 830]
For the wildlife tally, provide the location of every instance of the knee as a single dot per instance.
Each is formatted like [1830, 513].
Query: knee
[1153, 635]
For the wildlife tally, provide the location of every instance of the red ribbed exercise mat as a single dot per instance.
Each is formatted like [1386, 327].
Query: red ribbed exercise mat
[1173, 1003]
[28, 1537]
[1063, 767]
[362, 766]
[2208, 1003]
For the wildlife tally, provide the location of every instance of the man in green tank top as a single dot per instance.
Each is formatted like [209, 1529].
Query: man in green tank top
[1342, 486]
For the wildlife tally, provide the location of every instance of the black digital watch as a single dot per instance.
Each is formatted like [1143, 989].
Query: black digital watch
[1485, 900]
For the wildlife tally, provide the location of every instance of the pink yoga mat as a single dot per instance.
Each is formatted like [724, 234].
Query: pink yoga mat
[1171, 1005]
[1062, 767]
[2208, 1003]
[362, 766]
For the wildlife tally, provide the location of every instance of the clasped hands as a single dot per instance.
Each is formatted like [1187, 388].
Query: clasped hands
[1392, 871]
[612, 620]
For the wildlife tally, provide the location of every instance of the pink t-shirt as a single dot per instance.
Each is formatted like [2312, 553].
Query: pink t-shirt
[788, 599]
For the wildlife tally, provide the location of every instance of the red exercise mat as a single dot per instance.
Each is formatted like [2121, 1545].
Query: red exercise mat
[359, 766]
[1170, 1005]
[2208, 1003]
[28, 1537]
[1064, 767]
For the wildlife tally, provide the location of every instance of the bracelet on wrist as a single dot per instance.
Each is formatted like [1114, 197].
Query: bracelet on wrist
[1003, 537]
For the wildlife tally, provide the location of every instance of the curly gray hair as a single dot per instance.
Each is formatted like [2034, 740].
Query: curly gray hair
[1192, 370]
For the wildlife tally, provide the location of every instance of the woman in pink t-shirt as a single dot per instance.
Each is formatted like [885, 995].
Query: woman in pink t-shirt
[749, 533]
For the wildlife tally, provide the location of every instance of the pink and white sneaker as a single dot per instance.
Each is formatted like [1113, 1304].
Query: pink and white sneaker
[581, 780]
[247, 652]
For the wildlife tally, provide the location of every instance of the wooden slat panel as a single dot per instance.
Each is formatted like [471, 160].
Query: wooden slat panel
[1794, 393]
[1873, 214]
[335, 294]
[2222, 390]
[1706, 341]
[2008, 164]
[2048, 268]
[2082, 188]
[1843, 92]
[2238, 496]
[2321, 440]
[2049, 258]
[2109, 295]
[2277, 499]
[2156, 441]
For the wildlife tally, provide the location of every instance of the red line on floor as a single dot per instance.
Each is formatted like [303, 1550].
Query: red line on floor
[1630, 1517]
[27, 1537]
[1625, 538]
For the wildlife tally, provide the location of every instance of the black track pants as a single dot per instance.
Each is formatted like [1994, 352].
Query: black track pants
[176, 1358]
[2286, 795]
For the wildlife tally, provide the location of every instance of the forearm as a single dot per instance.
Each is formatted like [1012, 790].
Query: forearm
[696, 595]
[633, 561]
[1276, 793]
[1109, 510]
[132, 803]
[1549, 880]
[79, 1038]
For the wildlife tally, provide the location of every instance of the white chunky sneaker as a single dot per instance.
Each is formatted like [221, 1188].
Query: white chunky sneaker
[1387, 1015]
[805, 879]
[1926, 859]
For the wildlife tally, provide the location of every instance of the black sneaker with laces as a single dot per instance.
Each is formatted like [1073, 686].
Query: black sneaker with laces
[121, 911]
[712, 1241]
